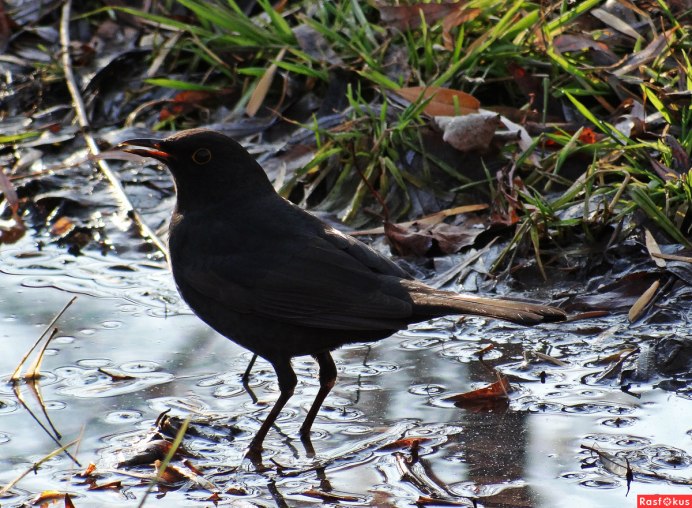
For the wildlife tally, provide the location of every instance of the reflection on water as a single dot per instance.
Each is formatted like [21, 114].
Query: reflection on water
[128, 350]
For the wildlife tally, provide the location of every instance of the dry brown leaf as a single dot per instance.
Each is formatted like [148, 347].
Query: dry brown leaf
[421, 239]
[171, 475]
[407, 17]
[48, 497]
[444, 102]
[454, 19]
[587, 315]
[404, 443]
[115, 376]
[642, 301]
[62, 226]
[429, 220]
[11, 231]
[185, 102]
[114, 485]
[673, 257]
[263, 85]
[550, 359]
[153, 451]
[330, 496]
[614, 357]
[653, 248]
[427, 500]
[88, 471]
[497, 390]
[406, 242]
[575, 43]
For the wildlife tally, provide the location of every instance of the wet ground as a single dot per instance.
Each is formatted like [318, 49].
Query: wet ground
[127, 350]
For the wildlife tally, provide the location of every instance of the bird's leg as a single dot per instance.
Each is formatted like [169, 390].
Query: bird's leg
[248, 370]
[287, 383]
[327, 381]
[246, 378]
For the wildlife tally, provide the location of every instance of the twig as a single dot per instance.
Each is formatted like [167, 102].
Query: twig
[83, 121]
[15, 375]
[672, 257]
[35, 465]
[55, 438]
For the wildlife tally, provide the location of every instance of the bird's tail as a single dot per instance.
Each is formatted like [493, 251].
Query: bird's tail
[429, 302]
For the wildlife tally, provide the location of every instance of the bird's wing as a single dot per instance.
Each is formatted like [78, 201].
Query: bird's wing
[320, 285]
[364, 254]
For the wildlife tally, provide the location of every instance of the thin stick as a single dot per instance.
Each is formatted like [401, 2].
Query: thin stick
[672, 257]
[35, 466]
[33, 372]
[83, 121]
[15, 375]
[55, 438]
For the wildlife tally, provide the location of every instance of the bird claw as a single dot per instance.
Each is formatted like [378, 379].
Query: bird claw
[254, 455]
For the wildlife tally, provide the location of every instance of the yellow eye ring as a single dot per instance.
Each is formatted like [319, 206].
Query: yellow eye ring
[201, 156]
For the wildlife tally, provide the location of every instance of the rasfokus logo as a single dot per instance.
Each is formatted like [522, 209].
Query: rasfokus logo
[664, 500]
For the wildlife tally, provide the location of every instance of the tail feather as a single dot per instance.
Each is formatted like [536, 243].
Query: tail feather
[433, 302]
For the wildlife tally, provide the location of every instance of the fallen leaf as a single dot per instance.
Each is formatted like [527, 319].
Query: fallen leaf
[153, 451]
[498, 390]
[425, 500]
[88, 471]
[654, 249]
[62, 226]
[184, 102]
[405, 443]
[114, 485]
[48, 497]
[674, 257]
[431, 219]
[454, 19]
[11, 231]
[171, 475]
[642, 302]
[407, 17]
[407, 242]
[262, 88]
[550, 359]
[431, 239]
[331, 496]
[443, 101]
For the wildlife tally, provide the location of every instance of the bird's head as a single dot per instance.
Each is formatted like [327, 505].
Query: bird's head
[207, 166]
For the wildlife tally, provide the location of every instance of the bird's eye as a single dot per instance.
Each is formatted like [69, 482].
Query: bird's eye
[201, 156]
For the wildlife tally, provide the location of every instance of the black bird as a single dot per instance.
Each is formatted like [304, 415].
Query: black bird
[280, 282]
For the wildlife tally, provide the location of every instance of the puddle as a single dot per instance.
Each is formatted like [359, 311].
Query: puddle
[128, 350]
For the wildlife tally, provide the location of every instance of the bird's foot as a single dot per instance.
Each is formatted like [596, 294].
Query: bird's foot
[307, 443]
[254, 455]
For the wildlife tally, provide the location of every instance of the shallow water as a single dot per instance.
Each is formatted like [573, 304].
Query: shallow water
[128, 321]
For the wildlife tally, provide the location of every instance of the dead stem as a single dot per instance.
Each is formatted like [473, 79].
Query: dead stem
[83, 121]
[32, 373]
[35, 466]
